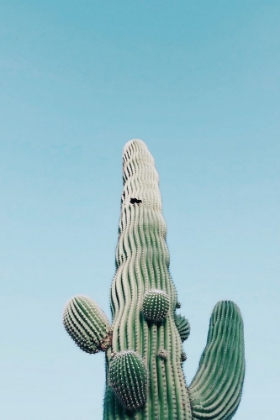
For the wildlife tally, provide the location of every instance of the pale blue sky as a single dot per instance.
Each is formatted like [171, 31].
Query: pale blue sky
[199, 82]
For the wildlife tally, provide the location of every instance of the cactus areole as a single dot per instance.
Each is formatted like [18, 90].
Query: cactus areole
[143, 346]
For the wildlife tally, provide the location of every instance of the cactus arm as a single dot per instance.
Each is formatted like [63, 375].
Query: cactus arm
[128, 377]
[87, 324]
[183, 326]
[215, 391]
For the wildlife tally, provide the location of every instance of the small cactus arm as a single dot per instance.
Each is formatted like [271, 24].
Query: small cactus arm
[144, 344]
[183, 326]
[86, 323]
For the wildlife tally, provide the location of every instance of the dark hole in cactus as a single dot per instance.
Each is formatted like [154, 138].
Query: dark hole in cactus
[135, 201]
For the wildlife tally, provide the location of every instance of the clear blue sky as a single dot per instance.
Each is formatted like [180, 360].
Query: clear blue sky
[199, 82]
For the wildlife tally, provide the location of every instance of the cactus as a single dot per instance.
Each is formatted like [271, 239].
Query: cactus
[183, 326]
[128, 377]
[144, 350]
[155, 305]
[215, 391]
[87, 324]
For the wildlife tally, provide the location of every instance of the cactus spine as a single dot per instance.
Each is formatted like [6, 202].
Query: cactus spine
[144, 353]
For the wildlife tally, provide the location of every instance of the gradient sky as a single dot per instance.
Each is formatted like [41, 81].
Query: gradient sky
[199, 82]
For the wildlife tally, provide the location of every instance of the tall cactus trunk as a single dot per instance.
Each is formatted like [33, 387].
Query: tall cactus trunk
[142, 261]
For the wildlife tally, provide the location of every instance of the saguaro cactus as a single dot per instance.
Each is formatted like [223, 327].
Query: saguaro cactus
[144, 354]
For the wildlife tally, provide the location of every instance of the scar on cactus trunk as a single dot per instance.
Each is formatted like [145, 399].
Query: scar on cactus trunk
[143, 346]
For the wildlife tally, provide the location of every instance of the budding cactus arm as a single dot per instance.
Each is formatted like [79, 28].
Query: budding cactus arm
[215, 391]
[87, 324]
[183, 326]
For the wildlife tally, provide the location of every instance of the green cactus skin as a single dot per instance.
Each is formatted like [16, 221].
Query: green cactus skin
[163, 354]
[215, 391]
[183, 326]
[155, 305]
[86, 323]
[128, 377]
[142, 266]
